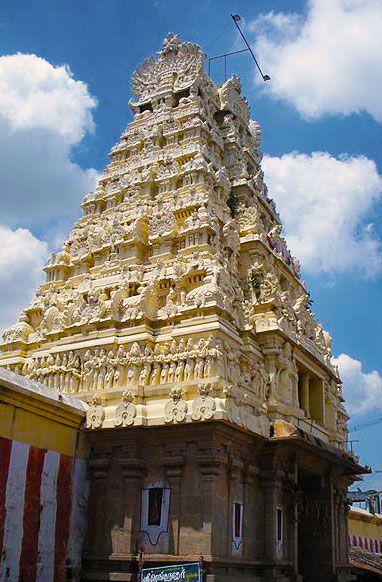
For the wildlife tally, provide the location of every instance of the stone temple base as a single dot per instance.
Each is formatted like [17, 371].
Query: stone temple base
[226, 501]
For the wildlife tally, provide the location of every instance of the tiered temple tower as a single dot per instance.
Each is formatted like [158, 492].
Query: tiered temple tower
[174, 302]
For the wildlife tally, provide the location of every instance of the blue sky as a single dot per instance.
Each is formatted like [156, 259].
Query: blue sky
[57, 125]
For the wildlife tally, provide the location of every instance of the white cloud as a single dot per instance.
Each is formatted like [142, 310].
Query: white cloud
[327, 62]
[362, 390]
[326, 205]
[44, 112]
[22, 257]
[35, 94]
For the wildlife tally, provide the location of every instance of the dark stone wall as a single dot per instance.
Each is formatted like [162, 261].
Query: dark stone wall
[207, 467]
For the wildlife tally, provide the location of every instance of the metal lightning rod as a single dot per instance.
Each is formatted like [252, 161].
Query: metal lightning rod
[236, 18]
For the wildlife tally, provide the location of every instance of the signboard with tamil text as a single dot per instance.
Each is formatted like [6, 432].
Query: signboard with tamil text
[190, 572]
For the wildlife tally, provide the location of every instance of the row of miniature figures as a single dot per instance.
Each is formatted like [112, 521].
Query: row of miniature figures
[101, 369]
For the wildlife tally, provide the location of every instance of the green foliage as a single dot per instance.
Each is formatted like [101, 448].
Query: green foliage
[310, 301]
[232, 202]
[255, 278]
[253, 281]
[245, 288]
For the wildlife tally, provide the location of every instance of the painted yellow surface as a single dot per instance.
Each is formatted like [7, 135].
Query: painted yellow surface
[365, 525]
[7, 412]
[42, 432]
[40, 421]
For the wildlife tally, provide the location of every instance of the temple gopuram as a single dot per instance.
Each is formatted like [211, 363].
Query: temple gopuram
[215, 425]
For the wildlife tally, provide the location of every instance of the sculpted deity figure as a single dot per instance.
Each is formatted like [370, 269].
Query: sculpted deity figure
[89, 369]
[300, 309]
[172, 304]
[296, 266]
[135, 352]
[259, 379]
[67, 374]
[50, 364]
[199, 367]
[102, 366]
[269, 287]
[37, 370]
[56, 372]
[64, 366]
[288, 375]
[164, 372]
[118, 369]
[147, 353]
[179, 372]
[112, 369]
[189, 367]
[182, 348]
[208, 366]
[173, 346]
[96, 368]
[132, 374]
[232, 368]
[171, 372]
[144, 376]
[25, 369]
[109, 376]
[275, 231]
[75, 374]
[328, 347]
[155, 374]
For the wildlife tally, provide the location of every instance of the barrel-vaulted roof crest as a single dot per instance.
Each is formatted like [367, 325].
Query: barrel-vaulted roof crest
[177, 67]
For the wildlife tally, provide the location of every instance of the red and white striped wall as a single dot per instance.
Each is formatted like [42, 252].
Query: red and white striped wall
[43, 498]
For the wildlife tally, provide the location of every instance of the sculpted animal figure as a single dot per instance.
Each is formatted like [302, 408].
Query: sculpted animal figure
[124, 307]
[209, 291]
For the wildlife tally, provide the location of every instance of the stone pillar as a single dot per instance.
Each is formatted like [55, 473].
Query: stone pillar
[273, 378]
[174, 469]
[213, 505]
[271, 478]
[235, 487]
[346, 527]
[342, 529]
[333, 520]
[305, 394]
[97, 513]
[292, 526]
[319, 530]
[133, 472]
[251, 545]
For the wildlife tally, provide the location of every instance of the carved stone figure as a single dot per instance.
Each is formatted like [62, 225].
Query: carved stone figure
[176, 408]
[95, 414]
[288, 376]
[203, 406]
[125, 412]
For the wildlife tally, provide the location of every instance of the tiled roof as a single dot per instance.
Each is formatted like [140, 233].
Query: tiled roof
[364, 560]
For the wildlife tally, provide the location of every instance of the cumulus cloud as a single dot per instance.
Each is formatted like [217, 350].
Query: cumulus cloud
[326, 205]
[326, 62]
[362, 390]
[22, 257]
[44, 113]
[35, 94]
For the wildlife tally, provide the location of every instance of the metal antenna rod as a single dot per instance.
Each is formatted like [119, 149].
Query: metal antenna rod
[236, 18]
[224, 56]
